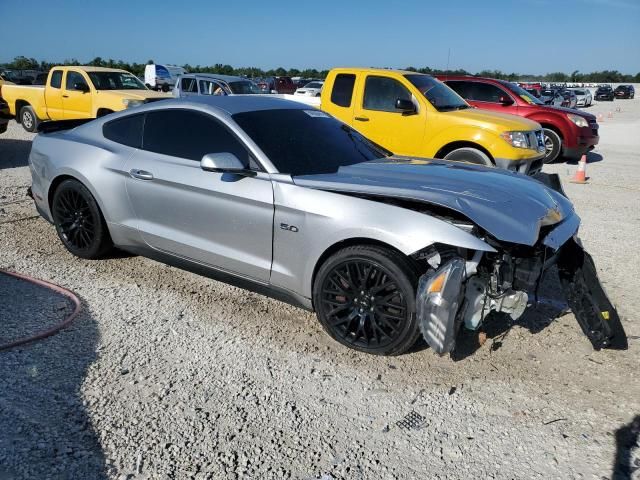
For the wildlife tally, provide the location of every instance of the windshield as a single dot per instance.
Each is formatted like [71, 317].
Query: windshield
[579, 92]
[245, 87]
[437, 93]
[313, 85]
[307, 142]
[115, 81]
[522, 93]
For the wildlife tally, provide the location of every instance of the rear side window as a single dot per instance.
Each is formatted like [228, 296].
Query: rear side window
[343, 89]
[126, 130]
[461, 88]
[189, 85]
[381, 93]
[191, 135]
[56, 79]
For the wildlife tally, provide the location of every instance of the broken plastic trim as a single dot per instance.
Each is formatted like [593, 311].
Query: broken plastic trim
[438, 301]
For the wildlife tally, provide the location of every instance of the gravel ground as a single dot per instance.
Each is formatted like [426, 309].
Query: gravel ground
[171, 375]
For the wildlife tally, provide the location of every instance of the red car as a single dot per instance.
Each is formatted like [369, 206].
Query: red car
[569, 132]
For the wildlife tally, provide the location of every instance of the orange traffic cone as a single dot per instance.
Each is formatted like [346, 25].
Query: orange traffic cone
[581, 173]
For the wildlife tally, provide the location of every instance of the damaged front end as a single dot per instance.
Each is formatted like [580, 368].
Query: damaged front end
[463, 289]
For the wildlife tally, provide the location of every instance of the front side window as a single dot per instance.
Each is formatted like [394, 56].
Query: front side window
[189, 134]
[307, 142]
[343, 89]
[126, 130]
[208, 87]
[461, 87]
[485, 92]
[244, 87]
[437, 93]
[381, 93]
[189, 85]
[56, 79]
[74, 78]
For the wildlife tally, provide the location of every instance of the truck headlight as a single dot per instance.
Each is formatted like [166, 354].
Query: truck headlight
[578, 120]
[517, 139]
[130, 103]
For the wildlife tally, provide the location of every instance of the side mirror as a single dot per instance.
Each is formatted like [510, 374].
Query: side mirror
[224, 162]
[81, 87]
[505, 100]
[405, 106]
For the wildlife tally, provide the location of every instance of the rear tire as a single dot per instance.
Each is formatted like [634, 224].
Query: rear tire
[29, 119]
[79, 222]
[364, 298]
[469, 155]
[552, 144]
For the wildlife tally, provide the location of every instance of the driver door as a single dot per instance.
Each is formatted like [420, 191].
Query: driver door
[377, 118]
[217, 219]
[76, 103]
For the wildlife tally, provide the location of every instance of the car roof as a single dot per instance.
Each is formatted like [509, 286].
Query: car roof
[375, 70]
[233, 104]
[215, 76]
[90, 68]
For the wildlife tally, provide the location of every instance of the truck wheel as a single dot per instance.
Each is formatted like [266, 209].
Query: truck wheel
[29, 119]
[364, 298]
[552, 145]
[469, 155]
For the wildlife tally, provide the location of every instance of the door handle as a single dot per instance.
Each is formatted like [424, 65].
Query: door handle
[65, 96]
[141, 174]
[362, 119]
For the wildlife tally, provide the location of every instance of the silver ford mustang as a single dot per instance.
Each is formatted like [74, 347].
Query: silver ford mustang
[283, 199]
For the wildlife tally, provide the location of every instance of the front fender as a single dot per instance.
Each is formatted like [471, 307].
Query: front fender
[308, 221]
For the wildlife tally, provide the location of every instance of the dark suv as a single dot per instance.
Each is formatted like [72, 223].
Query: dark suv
[605, 93]
[624, 91]
[569, 132]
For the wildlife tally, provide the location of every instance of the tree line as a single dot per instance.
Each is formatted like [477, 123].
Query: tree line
[604, 76]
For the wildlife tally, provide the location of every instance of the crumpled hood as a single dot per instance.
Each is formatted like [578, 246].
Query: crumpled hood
[507, 205]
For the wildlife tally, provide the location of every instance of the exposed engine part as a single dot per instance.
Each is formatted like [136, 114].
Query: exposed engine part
[478, 303]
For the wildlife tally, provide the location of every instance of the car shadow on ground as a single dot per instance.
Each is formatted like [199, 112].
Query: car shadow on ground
[45, 431]
[550, 306]
[14, 153]
[592, 157]
[627, 460]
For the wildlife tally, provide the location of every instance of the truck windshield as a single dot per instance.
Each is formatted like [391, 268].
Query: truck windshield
[245, 87]
[437, 93]
[307, 142]
[115, 81]
[522, 93]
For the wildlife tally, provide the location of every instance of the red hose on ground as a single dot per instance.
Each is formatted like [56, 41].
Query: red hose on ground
[53, 330]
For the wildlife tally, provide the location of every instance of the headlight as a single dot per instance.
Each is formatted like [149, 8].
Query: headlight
[517, 139]
[129, 103]
[552, 217]
[578, 120]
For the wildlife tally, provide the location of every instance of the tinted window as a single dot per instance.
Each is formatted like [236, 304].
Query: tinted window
[115, 81]
[343, 89]
[461, 88]
[56, 79]
[485, 92]
[306, 142]
[73, 78]
[439, 95]
[189, 85]
[188, 134]
[244, 87]
[126, 130]
[381, 93]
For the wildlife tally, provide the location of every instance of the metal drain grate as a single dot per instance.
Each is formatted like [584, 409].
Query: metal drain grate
[412, 421]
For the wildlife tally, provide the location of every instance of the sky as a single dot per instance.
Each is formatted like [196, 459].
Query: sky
[523, 36]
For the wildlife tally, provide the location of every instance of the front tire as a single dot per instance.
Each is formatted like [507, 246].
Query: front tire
[79, 222]
[29, 119]
[552, 145]
[469, 155]
[364, 298]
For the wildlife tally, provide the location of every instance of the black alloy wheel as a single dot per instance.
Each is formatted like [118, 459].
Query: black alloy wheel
[365, 299]
[79, 222]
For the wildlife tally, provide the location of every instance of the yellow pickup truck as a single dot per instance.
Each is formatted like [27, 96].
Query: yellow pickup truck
[417, 115]
[76, 92]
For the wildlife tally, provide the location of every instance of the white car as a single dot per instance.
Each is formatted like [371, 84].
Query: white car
[311, 89]
[162, 77]
[584, 97]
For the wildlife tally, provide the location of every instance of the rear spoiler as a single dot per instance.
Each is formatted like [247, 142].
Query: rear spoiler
[59, 125]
